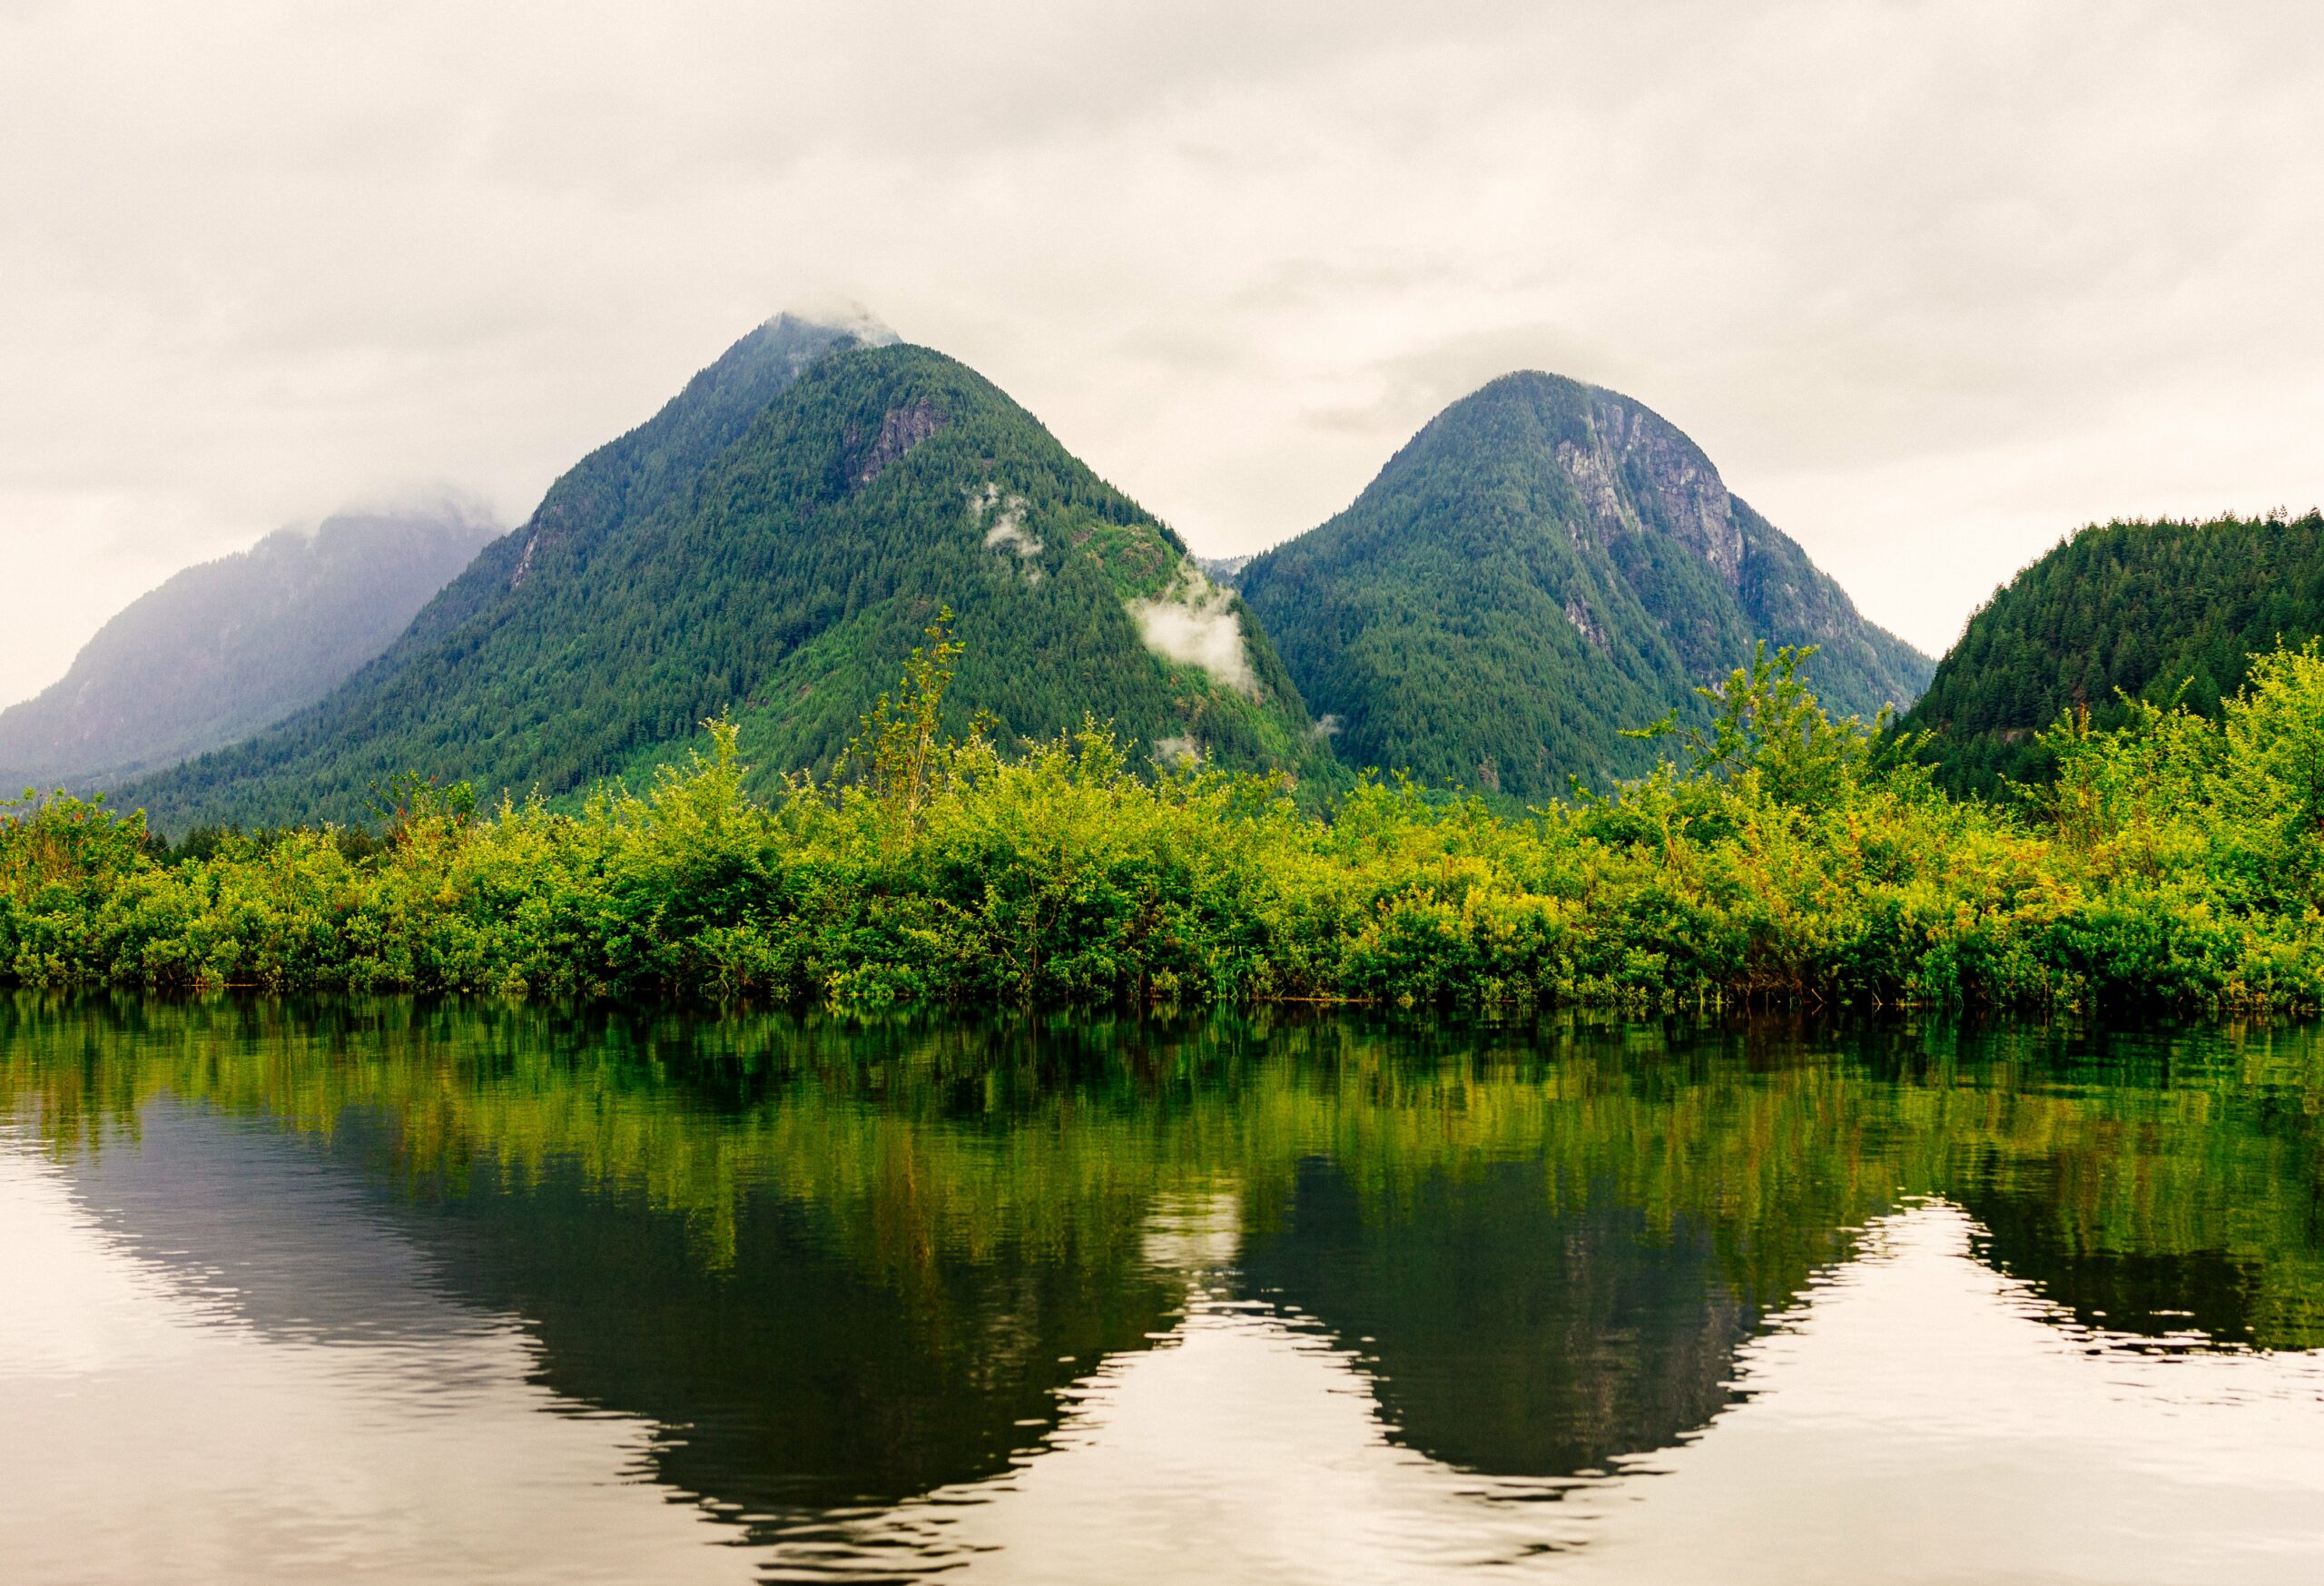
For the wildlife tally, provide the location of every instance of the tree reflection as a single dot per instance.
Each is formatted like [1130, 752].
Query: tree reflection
[844, 1265]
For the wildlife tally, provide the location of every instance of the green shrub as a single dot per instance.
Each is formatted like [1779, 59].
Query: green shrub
[1777, 856]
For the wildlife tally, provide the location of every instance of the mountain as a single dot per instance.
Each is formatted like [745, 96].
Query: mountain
[773, 543]
[2139, 607]
[224, 649]
[1543, 566]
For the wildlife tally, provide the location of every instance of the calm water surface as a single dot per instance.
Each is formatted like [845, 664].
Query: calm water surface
[403, 1292]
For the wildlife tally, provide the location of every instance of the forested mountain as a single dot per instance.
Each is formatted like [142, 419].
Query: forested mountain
[2139, 607]
[774, 542]
[226, 648]
[1543, 566]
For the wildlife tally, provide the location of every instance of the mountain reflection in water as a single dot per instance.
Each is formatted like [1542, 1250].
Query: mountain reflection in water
[1327, 1298]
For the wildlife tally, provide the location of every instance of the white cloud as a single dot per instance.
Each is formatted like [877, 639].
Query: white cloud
[1194, 624]
[1183, 753]
[1007, 532]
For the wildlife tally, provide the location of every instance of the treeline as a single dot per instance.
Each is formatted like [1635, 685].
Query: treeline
[1775, 855]
[2167, 612]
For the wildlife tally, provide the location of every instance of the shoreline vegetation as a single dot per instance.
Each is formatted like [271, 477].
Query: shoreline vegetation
[1775, 856]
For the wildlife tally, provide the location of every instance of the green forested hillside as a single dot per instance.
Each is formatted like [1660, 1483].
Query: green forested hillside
[2141, 608]
[773, 544]
[1544, 566]
[225, 649]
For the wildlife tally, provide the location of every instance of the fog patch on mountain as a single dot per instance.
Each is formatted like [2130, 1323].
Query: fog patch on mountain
[1197, 623]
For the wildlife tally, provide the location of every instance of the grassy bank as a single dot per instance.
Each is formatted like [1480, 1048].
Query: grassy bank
[1779, 856]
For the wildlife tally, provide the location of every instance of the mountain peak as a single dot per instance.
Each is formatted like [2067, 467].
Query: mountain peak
[1545, 564]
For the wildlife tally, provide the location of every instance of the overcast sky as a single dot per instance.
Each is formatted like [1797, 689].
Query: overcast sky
[1931, 283]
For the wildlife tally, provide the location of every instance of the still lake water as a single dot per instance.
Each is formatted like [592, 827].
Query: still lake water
[384, 1291]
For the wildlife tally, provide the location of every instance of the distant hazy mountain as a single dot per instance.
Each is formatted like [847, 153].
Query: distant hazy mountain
[226, 648]
[2141, 608]
[1544, 566]
[773, 543]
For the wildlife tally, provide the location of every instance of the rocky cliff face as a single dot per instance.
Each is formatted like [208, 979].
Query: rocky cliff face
[1633, 464]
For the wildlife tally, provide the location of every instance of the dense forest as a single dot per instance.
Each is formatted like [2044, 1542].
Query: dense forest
[1773, 854]
[770, 544]
[226, 648]
[1544, 566]
[2151, 610]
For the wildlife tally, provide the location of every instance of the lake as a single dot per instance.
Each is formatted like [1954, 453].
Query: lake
[386, 1291]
